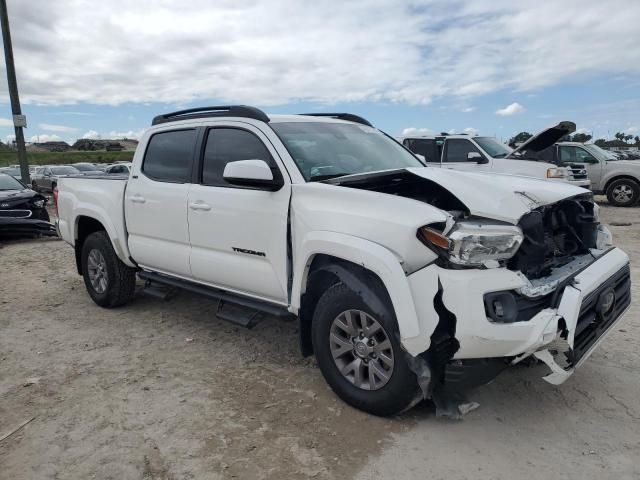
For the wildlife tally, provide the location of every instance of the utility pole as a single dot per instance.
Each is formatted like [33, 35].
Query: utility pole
[19, 120]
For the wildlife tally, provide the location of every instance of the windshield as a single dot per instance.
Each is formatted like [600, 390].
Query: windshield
[64, 170]
[600, 153]
[493, 147]
[7, 182]
[11, 171]
[328, 150]
[85, 167]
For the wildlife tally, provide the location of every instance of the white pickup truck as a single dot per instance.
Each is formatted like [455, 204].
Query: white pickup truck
[486, 154]
[408, 282]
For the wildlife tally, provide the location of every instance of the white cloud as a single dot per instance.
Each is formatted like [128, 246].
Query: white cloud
[6, 122]
[270, 53]
[510, 109]
[44, 138]
[468, 109]
[471, 131]
[56, 128]
[416, 132]
[91, 134]
[131, 134]
[9, 139]
[633, 129]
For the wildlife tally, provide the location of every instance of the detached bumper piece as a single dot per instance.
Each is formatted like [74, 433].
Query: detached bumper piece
[599, 311]
[10, 227]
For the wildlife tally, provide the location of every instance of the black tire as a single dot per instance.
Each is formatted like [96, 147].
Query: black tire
[121, 279]
[627, 184]
[401, 390]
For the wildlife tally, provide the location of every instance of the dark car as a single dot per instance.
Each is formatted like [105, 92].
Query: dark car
[22, 211]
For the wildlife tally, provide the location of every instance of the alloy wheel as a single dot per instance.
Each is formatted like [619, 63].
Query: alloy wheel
[361, 349]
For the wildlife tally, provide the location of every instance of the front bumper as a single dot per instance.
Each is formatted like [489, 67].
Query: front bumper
[584, 183]
[25, 226]
[560, 327]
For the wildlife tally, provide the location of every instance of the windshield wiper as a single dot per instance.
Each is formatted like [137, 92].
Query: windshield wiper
[329, 176]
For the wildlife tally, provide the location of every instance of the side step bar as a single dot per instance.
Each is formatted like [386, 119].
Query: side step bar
[217, 294]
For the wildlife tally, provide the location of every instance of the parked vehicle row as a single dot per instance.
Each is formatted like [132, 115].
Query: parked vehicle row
[46, 178]
[407, 281]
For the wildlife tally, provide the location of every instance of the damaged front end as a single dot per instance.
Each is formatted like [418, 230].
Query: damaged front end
[555, 299]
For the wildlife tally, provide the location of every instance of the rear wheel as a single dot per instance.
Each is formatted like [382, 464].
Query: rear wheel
[110, 282]
[623, 192]
[359, 354]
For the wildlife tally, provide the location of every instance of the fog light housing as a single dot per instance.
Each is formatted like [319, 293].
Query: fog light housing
[501, 307]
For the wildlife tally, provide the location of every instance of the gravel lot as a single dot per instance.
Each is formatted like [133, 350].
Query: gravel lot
[167, 391]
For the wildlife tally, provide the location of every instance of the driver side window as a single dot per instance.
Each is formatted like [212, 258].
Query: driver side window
[570, 154]
[458, 149]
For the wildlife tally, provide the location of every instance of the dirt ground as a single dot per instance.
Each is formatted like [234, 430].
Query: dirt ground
[165, 390]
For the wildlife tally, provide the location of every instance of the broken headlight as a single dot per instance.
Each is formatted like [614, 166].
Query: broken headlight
[474, 244]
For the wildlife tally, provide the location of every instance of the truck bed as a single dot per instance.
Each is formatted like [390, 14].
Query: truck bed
[100, 197]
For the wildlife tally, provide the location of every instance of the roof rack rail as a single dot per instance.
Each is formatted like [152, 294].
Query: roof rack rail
[217, 111]
[350, 117]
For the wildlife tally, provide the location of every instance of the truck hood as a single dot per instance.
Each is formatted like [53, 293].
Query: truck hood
[500, 197]
[544, 139]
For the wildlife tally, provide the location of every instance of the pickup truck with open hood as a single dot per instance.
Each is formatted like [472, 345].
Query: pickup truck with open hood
[486, 154]
[408, 282]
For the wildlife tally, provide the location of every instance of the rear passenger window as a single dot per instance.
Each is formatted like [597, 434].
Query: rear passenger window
[425, 147]
[169, 156]
[226, 145]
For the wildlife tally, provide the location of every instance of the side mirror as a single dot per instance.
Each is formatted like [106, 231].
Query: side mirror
[252, 173]
[476, 157]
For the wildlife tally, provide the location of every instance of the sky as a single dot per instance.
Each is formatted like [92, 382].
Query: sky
[496, 67]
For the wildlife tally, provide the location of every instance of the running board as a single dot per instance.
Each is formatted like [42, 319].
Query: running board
[218, 294]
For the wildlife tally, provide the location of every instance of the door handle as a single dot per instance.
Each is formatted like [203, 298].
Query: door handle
[199, 206]
[137, 199]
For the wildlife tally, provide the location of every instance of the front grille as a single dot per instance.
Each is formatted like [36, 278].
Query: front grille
[578, 172]
[554, 236]
[592, 324]
[15, 213]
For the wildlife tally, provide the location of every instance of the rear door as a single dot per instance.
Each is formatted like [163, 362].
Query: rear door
[456, 151]
[156, 202]
[238, 234]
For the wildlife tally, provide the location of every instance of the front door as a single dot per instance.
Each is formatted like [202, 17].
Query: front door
[156, 203]
[574, 155]
[456, 156]
[239, 235]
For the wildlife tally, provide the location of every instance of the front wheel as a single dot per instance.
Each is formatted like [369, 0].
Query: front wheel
[110, 282]
[358, 351]
[623, 192]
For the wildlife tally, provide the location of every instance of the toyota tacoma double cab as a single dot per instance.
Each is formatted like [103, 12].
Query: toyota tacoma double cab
[408, 282]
